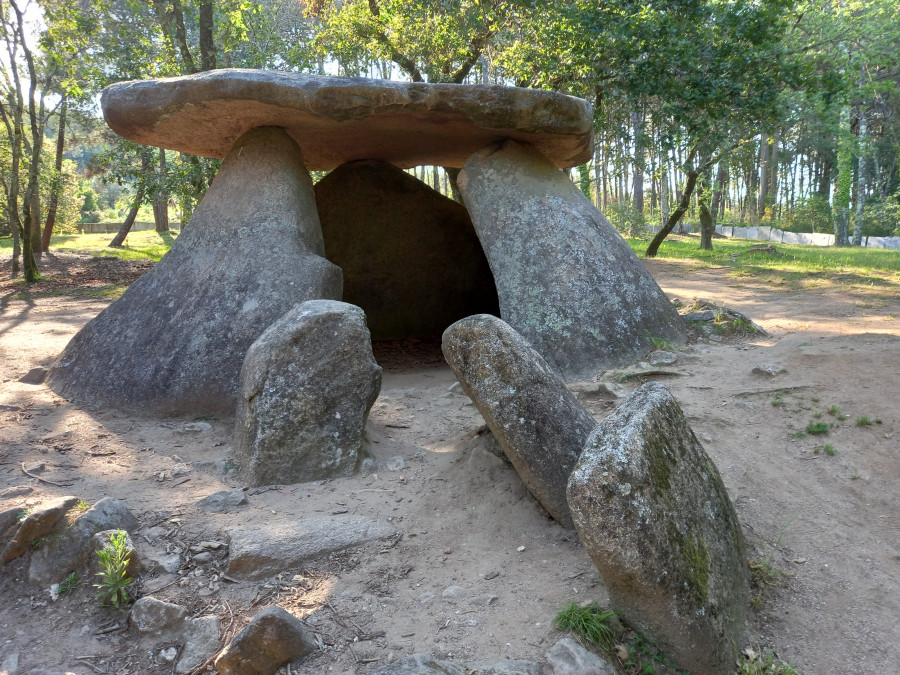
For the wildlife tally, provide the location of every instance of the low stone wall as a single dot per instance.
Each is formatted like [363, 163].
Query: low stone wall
[809, 238]
[110, 228]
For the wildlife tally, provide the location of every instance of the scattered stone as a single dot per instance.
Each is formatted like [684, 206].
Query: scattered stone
[16, 491]
[567, 657]
[539, 423]
[566, 280]
[40, 522]
[267, 549]
[769, 369]
[652, 511]
[149, 615]
[715, 338]
[176, 339]
[395, 463]
[422, 664]
[201, 558]
[661, 357]
[273, 638]
[201, 640]
[426, 598]
[223, 500]
[705, 315]
[9, 659]
[195, 428]
[72, 547]
[34, 376]
[605, 391]
[35, 467]
[153, 560]
[167, 655]
[8, 519]
[339, 119]
[10, 408]
[483, 600]
[307, 386]
[451, 594]
[413, 262]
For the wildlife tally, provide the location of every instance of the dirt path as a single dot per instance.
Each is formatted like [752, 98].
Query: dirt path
[456, 585]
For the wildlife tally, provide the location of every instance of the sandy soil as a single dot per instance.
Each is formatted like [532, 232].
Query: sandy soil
[828, 522]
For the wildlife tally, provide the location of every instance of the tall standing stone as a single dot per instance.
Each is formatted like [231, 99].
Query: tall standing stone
[307, 385]
[539, 424]
[175, 341]
[565, 278]
[410, 256]
[652, 511]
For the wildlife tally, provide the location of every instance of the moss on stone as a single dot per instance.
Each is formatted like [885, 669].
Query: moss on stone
[696, 558]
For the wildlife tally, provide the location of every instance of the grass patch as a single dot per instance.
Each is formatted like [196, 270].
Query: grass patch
[817, 428]
[828, 449]
[763, 662]
[145, 245]
[590, 622]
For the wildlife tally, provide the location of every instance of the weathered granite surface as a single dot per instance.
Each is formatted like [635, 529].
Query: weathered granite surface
[566, 280]
[338, 119]
[410, 256]
[650, 507]
[175, 341]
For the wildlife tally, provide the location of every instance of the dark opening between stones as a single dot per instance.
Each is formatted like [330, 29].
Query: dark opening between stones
[410, 257]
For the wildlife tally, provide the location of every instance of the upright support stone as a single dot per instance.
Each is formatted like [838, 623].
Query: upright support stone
[175, 341]
[565, 278]
[650, 507]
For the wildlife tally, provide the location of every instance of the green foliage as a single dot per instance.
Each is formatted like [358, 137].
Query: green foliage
[762, 663]
[626, 219]
[83, 505]
[589, 622]
[881, 218]
[817, 428]
[863, 422]
[114, 579]
[67, 585]
[812, 214]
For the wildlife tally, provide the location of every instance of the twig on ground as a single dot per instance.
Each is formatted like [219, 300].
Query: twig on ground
[43, 480]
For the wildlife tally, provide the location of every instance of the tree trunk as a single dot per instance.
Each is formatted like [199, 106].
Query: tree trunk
[676, 215]
[718, 201]
[452, 175]
[54, 197]
[824, 187]
[862, 172]
[207, 47]
[119, 239]
[772, 200]
[753, 187]
[638, 165]
[161, 198]
[663, 189]
[707, 225]
[763, 178]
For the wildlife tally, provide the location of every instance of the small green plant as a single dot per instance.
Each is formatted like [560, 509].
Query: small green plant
[814, 399]
[818, 416]
[659, 343]
[856, 475]
[798, 434]
[817, 428]
[778, 399]
[835, 411]
[114, 579]
[863, 422]
[590, 622]
[69, 584]
[83, 505]
[765, 663]
[828, 449]
[22, 515]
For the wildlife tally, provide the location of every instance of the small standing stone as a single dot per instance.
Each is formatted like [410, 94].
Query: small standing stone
[652, 511]
[274, 637]
[223, 500]
[307, 386]
[567, 657]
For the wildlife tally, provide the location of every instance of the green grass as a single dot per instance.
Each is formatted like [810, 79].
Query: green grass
[765, 663]
[796, 263]
[147, 244]
[589, 622]
[817, 428]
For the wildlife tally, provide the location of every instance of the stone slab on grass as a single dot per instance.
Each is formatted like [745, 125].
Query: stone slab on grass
[650, 507]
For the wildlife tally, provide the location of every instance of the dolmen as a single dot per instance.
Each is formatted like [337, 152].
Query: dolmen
[528, 244]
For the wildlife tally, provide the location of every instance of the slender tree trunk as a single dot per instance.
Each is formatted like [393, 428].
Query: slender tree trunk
[207, 47]
[824, 186]
[763, 179]
[772, 200]
[119, 239]
[452, 176]
[663, 189]
[673, 220]
[54, 197]
[161, 198]
[707, 225]
[718, 195]
[862, 172]
[638, 165]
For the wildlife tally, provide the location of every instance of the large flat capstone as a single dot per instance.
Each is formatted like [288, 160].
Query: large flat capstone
[338, 119]
[175, 341]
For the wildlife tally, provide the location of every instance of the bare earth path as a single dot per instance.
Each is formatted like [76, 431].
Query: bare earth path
[830, 523]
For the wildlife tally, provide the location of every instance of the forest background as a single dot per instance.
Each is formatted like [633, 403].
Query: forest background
[769, 112]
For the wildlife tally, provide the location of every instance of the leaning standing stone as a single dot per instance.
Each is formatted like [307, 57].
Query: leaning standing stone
[652, 511]
[307, 386]
[565, 278]
[174, 342]
[539, 423]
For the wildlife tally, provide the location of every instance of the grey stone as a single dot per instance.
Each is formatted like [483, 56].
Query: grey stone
[9, 659]
[338, 119]
[154, 560]
[567, 657]
[9, 518]
[201, 640]
[769, 369]
[272, 547]
[149, 615]
[40, 522]
[661, 357]
[410, 256]
[16, 491]
[175, 341]
[705, 315]
[223, 500]
[566, 280]
[307, 385]
[34, 376]
[195, 428]
[422, 664]
[451, 594]
[505, 667]
[273, 638]
[71, 549]
[652, 512]
[35, 467]
[395, 463]
[539, 423]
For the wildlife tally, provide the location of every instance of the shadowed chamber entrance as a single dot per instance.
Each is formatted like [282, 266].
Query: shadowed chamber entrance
[410, 257]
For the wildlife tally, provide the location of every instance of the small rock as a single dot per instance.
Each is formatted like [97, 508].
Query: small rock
[36, 524]
[273, 638]
[195, 428]
[9, 659]
[202, 558]
[769, 369]
[367, 467]
[705, 315]
[34, 376]
[715, 338]
[520, 549]
[154, 560]
[16, 491]
[662, 358]
[606, 391]
[396, 463]
[451, 594]
[35, 467]
[426, 598]
[483, 600]
[567, 657]
[150, 615]
[219, 502]
[167, 655]
[201, 640]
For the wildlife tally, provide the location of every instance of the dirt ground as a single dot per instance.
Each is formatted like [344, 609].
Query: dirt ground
[458, 584]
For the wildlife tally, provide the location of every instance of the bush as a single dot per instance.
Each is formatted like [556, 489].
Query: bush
[626, 219]
[881, 219]
[813, 214]
[90, 217]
